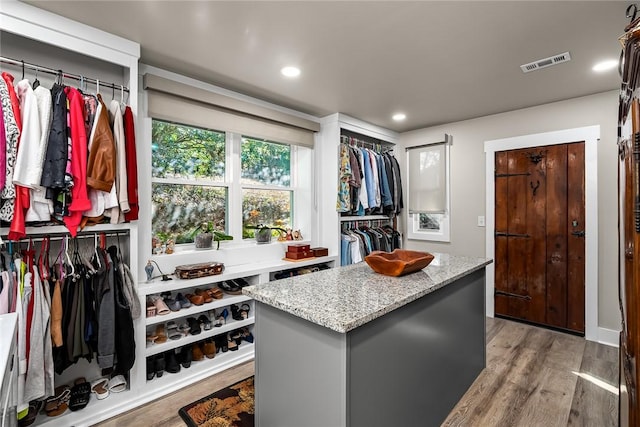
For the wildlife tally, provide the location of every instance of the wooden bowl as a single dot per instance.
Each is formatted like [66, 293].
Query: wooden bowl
[399, 262]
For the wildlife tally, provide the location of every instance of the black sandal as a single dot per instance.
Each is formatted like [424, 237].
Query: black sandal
[194, 326]
[80, 395]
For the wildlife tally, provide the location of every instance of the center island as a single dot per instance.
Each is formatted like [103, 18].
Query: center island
[348, 347]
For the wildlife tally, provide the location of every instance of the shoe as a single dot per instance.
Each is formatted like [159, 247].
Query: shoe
[204, 294]
[236, 336]
[247, 335]
[231, 343]
[184, 302]
[194, 326]
[161, 335]
[241, 282]
[230, 287]
[158, 364]
[186, 356]
[171, 365]
[235, 312]
[222, 343]
[151, 309]
[244, 310]
[195, 299]
[151, 373]
[173, 332]
[209, 349]
[161, 307]
[196, 353]
[59, 402]
[80, 394]
[220, 319]
[204, 321]
[215, 292]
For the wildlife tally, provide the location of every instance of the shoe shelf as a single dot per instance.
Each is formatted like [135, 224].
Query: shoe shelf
[246, 271]
[96, 409]
[189, 339]
[203, 368]
[196, 310]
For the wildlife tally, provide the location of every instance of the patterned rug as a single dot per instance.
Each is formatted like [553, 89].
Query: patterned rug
[229, 407]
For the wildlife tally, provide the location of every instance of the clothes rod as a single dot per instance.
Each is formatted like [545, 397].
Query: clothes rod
[61, 238]
[448, 139]
[62, 74]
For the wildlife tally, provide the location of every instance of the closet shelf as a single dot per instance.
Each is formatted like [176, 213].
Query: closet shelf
[203, 368]
[61, 229]
[364, 218]
[189, 339]
[233, 272]
[195, 310]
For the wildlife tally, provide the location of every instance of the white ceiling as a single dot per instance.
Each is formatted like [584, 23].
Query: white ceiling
[436, 61]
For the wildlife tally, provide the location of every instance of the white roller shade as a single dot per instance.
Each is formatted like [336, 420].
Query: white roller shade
[427, 185]
[181, 103]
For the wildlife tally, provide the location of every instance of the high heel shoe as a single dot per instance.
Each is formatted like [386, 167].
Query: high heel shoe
[235, 312]
[220, 320]
[231, 343]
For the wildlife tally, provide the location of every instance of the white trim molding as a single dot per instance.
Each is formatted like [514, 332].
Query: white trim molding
[590, 135]
[609, 337]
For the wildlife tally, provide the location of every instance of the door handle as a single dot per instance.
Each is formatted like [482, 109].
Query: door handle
[578, 233]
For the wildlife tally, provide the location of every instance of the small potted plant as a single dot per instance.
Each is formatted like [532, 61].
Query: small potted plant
[263, 232]
[204, 235]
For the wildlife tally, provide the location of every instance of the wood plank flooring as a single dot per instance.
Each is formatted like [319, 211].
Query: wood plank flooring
[534, 377]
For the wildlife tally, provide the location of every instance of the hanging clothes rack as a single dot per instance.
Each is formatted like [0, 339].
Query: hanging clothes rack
[62, 74]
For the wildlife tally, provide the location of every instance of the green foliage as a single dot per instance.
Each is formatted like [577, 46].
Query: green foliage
[265, 162]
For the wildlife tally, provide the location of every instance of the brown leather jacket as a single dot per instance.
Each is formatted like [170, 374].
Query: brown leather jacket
[101, 168]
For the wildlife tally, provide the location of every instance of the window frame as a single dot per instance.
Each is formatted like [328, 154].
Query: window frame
[443, 234]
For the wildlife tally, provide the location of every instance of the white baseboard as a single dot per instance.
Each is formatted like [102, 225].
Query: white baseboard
[608, 337]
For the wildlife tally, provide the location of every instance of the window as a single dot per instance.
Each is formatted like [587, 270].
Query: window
[267, 196]
[428, 191]
[188, 188]
[191, 182]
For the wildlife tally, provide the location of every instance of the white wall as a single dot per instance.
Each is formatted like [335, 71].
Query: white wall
[468, 179]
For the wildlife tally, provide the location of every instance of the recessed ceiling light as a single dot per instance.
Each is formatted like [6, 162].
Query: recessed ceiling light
[290, 71]
[607, 65]
[398, 117]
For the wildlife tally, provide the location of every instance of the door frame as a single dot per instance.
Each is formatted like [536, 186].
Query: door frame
[590, 135]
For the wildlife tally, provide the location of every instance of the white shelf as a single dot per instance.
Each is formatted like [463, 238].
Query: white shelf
[195, 310]
[202, 369]
[190, 339]
[157, 286]
[61, 229]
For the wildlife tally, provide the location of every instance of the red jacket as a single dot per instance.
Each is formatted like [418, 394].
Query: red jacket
[132, 165]
[79, 199]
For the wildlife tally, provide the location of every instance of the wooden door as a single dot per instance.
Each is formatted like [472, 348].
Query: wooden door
[539, 235]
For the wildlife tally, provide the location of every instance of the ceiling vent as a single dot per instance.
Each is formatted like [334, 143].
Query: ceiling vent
[546, 62]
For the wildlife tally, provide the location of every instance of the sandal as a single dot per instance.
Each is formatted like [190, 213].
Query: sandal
[231, 343]
[173, 304]
[34, 408]
[246, 335]
[230, 287]
[204, 294]
[161, 307]
[235, 312]
[236, 336]
[80, 394]
[205, 322]
[117, 384]
[184, 302]
[58, 403]
[99, 387]
[195, 299]
[221, 318]
[160, 334]
[184, 328]
[215, 292]
[194, 326]
[151, 309]
[173, 332]
[241, 282]
[209, 349]
[244, 310]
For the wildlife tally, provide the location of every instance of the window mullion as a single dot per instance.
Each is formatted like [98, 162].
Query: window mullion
[234, 211]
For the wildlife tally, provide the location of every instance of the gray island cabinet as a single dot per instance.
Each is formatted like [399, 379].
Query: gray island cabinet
[350, 347]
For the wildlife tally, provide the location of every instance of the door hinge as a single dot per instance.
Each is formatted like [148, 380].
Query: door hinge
[509, 294]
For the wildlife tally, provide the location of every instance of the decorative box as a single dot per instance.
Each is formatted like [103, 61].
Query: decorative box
[298, 248]
[320, 251]
[191, 271]
[298, 255]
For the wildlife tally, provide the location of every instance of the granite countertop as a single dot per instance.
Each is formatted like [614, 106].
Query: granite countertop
[345, 298]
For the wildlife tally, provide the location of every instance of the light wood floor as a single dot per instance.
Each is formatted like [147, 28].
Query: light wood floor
[534, 377]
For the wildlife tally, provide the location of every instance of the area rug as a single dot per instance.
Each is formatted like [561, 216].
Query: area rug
[229, 407]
